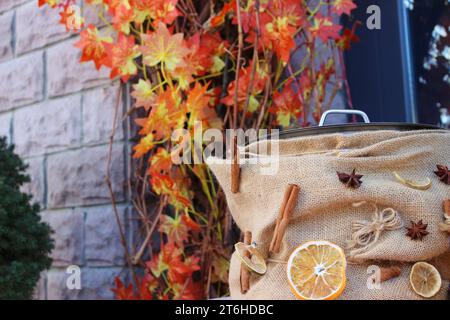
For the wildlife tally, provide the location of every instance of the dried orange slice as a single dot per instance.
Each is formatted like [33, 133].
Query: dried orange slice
[316, 271]
[425, 279]
[256, 262]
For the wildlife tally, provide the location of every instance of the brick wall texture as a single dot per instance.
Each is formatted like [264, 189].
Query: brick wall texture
[59, 114]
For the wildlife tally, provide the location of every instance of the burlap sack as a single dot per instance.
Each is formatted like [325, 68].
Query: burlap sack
[324, 208]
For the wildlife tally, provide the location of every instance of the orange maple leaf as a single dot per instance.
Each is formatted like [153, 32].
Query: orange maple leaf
[166, 115]
[144, 146]
[197, 104]
[124, 15]
[163, 47]
[92, 46]
[121, 57]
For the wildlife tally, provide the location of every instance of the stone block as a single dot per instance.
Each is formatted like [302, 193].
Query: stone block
[78, 177]
[68, 236]
[48, 126]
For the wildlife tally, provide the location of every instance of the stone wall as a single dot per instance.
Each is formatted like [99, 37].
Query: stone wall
[59, 115]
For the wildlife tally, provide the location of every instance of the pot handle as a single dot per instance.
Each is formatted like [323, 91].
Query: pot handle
[337, 111]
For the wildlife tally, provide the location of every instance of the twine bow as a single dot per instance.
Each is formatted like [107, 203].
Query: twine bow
[366, 233]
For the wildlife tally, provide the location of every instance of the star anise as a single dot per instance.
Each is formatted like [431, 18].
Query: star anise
[351, 180]
[443, 173]
[417, 231]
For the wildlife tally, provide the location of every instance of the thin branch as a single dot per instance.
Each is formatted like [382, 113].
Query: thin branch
[238, 63]
[123, 239]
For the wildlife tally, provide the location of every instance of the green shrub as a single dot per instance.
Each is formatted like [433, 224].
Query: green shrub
[25, 242]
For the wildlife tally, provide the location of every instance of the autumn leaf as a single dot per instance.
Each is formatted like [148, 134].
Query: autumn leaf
[124, 15]
[147, 286]
[174, 228]
[343, 6]
[144, 146]
[50, 3]
[165, 11]
[92, 46]
[286, 106]
[191, 224]
[163, 47]
[165, 116]
[143, 94]
[183, 73]
[170, 260]
[197, 104]
[161, 162]
[121, 292]
[347, 37]
[191, 290]
[219, 18]
[324, 29]
[121, 57]
[168, 254]
[281, 36]
[206, 51]
[71, 18]
[244, 82]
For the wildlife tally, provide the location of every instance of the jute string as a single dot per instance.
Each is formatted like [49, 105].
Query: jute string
[366, 233]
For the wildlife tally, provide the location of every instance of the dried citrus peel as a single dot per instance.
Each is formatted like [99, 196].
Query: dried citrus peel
[256, 262]
[425, 279]
[413, 184]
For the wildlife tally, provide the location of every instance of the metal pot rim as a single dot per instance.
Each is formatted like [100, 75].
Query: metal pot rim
[354, 128]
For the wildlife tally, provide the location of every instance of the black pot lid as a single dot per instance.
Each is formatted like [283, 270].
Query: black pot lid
[353, 128]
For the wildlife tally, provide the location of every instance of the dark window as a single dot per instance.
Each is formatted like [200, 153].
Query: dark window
[401, 72]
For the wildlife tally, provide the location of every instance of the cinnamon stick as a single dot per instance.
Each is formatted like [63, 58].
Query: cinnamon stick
[389, 273]
[287, 194]
[235, 169]
[245, 273]
[286, 211]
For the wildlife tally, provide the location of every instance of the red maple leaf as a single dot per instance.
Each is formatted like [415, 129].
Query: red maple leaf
[244, 82]
[123, 292]
[347, 37]
[286, 106]
[343, 6]
[324, 29]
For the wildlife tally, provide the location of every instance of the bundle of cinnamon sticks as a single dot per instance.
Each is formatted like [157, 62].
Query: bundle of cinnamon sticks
[284, 215]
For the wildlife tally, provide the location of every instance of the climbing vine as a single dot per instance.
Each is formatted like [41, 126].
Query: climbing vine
[197, 65]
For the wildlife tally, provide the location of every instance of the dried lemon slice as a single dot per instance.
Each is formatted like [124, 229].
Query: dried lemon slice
[413, 184]
[316, 271]
[256, 262]
[425, 279]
